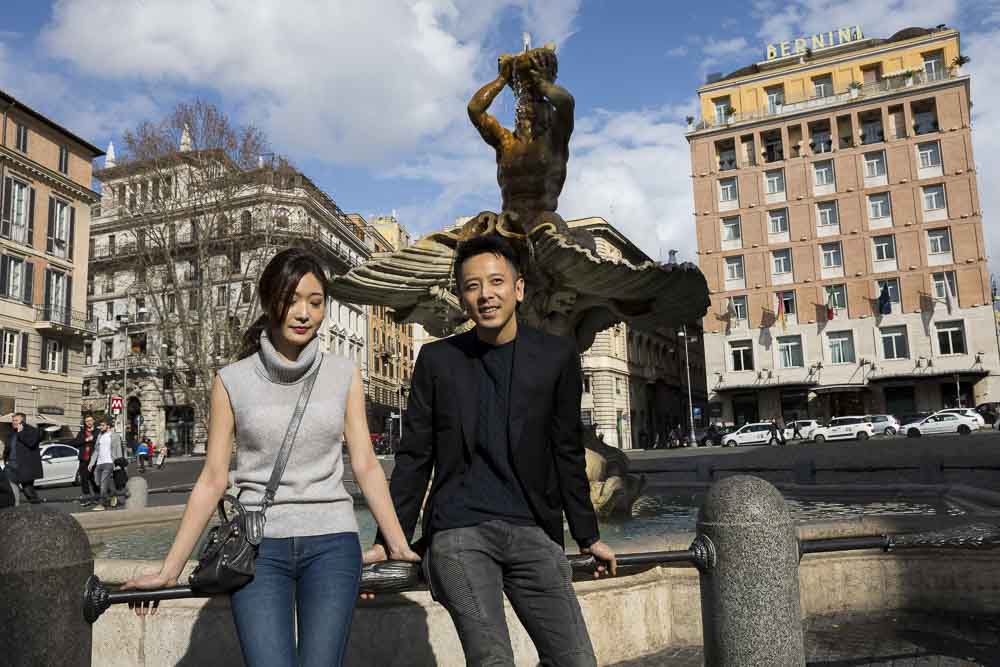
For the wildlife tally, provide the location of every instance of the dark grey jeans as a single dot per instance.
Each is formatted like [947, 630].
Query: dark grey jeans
[469, 570]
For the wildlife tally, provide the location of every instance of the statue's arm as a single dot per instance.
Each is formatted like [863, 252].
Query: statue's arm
[489, 127]
[563, 102]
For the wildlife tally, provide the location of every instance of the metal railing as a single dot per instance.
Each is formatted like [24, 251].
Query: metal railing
[65, 316]
[135, 362]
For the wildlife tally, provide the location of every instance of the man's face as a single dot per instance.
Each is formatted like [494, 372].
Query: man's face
[16, 422]
[490, 291]
[89, 423]
[104, 427]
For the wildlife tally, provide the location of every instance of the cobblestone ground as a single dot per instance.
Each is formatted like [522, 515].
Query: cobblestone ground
[896, 640]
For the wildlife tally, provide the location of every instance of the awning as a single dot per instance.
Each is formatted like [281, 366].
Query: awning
[840, 388]
[929, 373]
[757, 386]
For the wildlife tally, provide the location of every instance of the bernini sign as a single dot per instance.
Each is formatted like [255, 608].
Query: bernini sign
[821, 40]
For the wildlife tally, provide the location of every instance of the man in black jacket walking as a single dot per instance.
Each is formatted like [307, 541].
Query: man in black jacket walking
[22, 461]
[495, 414]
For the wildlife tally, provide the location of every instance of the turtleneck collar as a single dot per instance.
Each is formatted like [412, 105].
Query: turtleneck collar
[277, 368]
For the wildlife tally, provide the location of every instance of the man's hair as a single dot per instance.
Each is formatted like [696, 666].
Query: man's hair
[491, 244]
[23, 416]
[106, 420]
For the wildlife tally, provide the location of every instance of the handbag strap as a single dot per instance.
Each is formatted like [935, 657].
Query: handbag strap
[286, 445]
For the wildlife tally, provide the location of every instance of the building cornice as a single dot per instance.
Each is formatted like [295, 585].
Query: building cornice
[73, 189]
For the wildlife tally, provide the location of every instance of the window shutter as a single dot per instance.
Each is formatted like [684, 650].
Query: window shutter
[48, 293]
[7, 208]
[4, 272]
[23, 361]
[50, 241]
[29, 282]
[65, 359]
[31, 217]
[72, 225]
[68, 301]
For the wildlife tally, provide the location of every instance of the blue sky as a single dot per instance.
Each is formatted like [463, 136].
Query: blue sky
[368, 98]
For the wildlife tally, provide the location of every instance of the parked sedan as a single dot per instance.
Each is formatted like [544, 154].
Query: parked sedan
[942, 422]
[59, 465]
[884, 424]
[844, 428]
[757, 433]
[966, 412]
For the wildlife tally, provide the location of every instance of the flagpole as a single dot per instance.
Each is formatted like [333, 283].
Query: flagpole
[993, 307]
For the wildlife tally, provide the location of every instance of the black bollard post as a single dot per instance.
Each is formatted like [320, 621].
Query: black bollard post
[45, 559]
[750, 608]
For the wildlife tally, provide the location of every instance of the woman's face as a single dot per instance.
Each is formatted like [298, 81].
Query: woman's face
[306, 313]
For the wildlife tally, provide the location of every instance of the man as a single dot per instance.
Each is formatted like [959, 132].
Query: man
[85, 446]
[109, 448]
[22, 460]
[494, 413]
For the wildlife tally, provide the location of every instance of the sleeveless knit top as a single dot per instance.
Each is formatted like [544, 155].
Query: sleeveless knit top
[263, 390]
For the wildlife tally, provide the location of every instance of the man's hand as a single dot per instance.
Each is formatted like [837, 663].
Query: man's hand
[377, 554]
[606, 563]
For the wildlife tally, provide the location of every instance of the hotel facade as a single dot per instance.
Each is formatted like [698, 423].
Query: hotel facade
[840, 231]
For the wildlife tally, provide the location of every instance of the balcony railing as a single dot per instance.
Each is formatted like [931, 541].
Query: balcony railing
[136, 362]
[793, 104]
[60, 316]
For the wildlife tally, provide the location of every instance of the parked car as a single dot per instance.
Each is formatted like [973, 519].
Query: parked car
[714, 435]
[966, 412]
[942, 422]
[756, 433]
[59, 464]
[844, 428]
[806, 428]
[912, 418]
[884, 424]
[989, 411]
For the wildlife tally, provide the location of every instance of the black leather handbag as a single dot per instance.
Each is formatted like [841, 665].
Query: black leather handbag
[228, 560]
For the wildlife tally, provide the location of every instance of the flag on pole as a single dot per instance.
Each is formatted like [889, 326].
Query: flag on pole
[781, 309]
[884, 301]
[949, 298]
[829, 304]
[731, 310]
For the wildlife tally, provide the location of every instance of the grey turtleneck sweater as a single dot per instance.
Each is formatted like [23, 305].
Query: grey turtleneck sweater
[263, 390]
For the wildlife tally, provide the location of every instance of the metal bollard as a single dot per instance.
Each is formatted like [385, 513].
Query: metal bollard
[750, 609]
[45, 560]
[137, 491]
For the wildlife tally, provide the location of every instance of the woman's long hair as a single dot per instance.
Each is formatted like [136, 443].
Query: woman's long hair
[276, 288]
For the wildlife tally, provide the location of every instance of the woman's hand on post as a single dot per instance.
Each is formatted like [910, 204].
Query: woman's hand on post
[148, 582]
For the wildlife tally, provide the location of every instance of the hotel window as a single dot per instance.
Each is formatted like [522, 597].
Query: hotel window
[17, 276]
[878, 206]
[892, 284]
[222, 295]
[938, 241]
[109, 310]
[586, 383]
[786, 301]
[775, 98]
[734, 268]
[874, 164]
[841, 347]
[19, 200]
[827, 213]
[790, 352]
[832, 257]
[775, 181]
[871, 131]
[837, 295]
[894, 343]
[934, 197]
[731, 229]
[60, 223]
[934, 66]
[10, 351]
[951, 337]
[53, 357]
[823, 85]
[777, 221]
[885, 248]
[742, 355]
[727, 189]
[782, 261]
[944, 285]
[739, 304]
[722, 109]
[64, 159]
[21, 138]
[823, 172]
[929, 154]
[618, 386]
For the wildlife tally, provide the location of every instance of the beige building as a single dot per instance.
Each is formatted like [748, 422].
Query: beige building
[45, 199]
[840, 230]
[635, 382]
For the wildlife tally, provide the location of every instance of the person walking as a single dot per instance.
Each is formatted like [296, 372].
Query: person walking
[108, 450]
[777, 434]
[84, 444]
[142, 454]
[297, 610]
[494, 417]
[22, 460]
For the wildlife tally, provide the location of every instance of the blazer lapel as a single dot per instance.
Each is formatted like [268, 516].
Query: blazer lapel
[525, 358]
[467, 380]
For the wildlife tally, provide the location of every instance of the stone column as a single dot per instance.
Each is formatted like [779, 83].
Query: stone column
[45, 560]
[750, 609]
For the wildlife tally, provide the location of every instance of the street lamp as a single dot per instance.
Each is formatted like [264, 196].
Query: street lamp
[687, 365]
[124, 320]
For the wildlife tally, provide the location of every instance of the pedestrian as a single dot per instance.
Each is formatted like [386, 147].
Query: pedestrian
[142, 455]
[85, 447]
[796, 432]
[108, 450]
[308, 565]
[494, 414]
[777, 435]
[22, 460]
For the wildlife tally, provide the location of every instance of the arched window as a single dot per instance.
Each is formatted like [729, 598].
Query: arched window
[246, 223]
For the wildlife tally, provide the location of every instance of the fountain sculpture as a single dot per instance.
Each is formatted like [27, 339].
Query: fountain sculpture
[570, 290]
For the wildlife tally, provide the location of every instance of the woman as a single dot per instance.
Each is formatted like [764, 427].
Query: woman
[309, 563]
[84, 444]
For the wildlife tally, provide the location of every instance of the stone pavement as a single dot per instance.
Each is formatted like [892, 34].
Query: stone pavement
[905, 639]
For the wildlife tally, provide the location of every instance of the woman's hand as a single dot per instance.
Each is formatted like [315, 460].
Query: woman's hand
[404, 553]
[148, 582]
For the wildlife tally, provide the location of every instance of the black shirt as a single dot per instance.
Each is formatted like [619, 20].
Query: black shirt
[490, 488]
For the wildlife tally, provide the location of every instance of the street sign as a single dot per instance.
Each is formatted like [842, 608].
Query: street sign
[117, 404]
[697, 411]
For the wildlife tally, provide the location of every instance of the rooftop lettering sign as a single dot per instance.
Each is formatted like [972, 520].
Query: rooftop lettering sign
[821, 40]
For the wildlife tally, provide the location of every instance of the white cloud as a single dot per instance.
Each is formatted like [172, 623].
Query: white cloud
[724, 47]
[678, 51]
[803, 17]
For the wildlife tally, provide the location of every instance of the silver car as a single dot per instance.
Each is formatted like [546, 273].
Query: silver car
[884, 424]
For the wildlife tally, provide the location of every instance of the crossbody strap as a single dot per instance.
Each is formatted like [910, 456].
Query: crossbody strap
[286, 445]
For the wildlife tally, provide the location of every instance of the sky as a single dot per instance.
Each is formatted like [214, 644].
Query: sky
[368, 98]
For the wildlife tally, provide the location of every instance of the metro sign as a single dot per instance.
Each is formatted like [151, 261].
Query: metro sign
[117, 404]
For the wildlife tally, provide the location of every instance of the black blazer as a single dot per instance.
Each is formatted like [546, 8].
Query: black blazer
[439, 431]
[29, 459]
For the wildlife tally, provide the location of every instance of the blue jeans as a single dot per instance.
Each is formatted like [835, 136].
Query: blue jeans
[318, 578]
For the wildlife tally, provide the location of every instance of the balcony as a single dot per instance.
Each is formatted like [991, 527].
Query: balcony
[791, 105]
[137, 363]
[61, 320]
